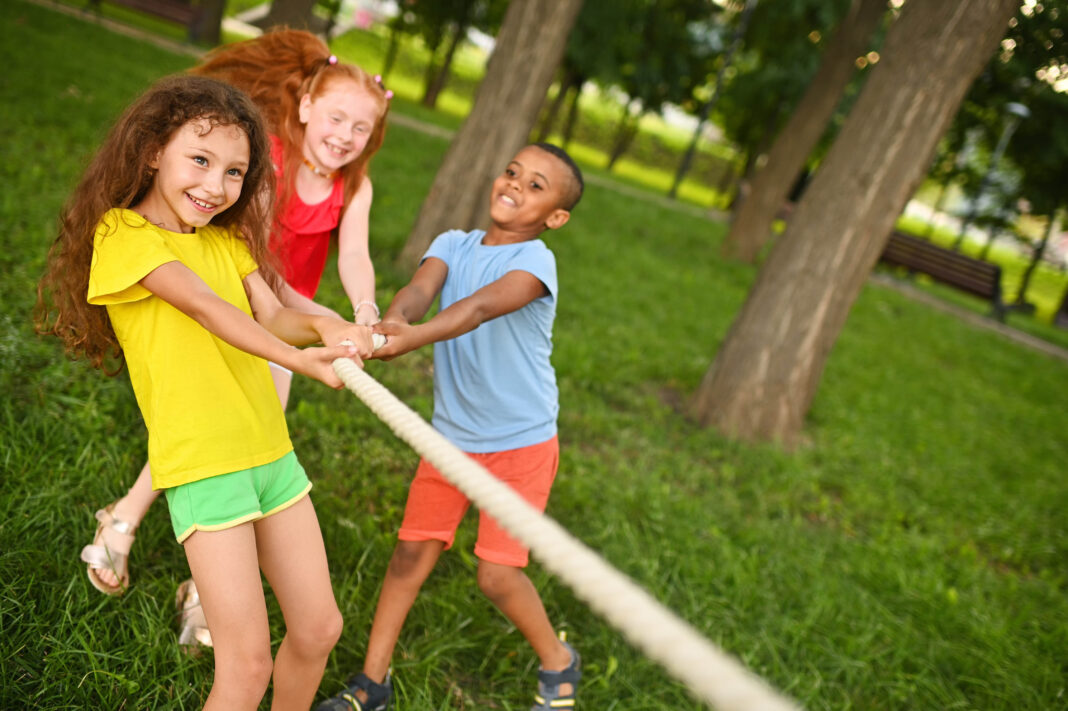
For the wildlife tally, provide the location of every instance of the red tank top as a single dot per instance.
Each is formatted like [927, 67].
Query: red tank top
[303, 238]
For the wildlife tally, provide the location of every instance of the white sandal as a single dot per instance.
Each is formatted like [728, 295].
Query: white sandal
[192, 625]
[113, 555]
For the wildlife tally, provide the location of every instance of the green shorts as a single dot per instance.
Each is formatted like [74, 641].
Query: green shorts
[229, 500]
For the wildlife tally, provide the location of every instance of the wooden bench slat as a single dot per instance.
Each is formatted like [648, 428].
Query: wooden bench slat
[966, 273]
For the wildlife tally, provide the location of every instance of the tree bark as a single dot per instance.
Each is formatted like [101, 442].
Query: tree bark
[1036, 257]
[706, 108]
[626, 130]
[209, 27]
[529, 48]
[437, 84]
[567, 81]
[291, 13]
[751, 225]
[766, 374]
[572, 114]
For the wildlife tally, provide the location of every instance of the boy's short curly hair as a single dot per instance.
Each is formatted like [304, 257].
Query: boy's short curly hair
[573, 193]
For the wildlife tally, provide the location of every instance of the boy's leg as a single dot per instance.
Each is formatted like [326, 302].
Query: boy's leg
[293, 560]
[226, 571]
[512, 592]
[409, 567]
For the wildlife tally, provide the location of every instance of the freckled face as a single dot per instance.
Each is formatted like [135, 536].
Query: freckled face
[199, 174]
[529, 191]
[338, 124]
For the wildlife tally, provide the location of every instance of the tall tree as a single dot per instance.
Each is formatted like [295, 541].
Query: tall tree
[751, 223]
[666, 57]
[528, 50]
[767, 372]
[707, 106]
[291, 13]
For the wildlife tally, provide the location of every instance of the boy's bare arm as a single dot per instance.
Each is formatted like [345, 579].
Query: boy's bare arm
[413, 301]
[510, 293]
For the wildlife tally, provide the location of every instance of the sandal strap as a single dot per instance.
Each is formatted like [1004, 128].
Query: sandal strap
[104, 557]
[571, 675]
[115, 524]
[379, 696]
[549, 682]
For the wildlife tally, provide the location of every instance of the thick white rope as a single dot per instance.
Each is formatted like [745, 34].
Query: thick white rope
[711, 674]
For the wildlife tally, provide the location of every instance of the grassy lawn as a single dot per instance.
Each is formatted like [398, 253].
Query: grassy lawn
[911, 555]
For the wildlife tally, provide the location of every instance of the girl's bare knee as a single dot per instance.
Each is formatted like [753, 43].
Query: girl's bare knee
[245, 674]
[316, 636]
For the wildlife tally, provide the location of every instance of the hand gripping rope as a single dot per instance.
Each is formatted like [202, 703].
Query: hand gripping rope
[711, 674]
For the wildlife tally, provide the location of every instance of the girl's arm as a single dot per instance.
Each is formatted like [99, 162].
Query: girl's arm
[510, 293]
[291, 298]
[354, 255]
[179, 286]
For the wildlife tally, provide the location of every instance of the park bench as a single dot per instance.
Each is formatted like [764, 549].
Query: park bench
[184, 12]
[968, 274]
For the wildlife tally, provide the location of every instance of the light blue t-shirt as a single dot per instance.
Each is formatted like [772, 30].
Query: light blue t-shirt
[494, 387]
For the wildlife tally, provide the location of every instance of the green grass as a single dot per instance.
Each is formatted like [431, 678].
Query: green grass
[911, 555]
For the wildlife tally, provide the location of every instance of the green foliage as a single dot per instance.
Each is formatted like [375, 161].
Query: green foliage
[1020, 73]
[910, 556]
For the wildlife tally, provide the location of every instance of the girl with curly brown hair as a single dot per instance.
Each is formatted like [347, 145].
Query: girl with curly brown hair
[162, 264]
[326, 121]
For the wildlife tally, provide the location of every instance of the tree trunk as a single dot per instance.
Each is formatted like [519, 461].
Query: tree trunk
[751, 225]
[435, 87]
[208, 29]
[394, 46]
[1025, 281]
[529, 48]
[767, 372]
[1061, 317]
[567, 81]
[626, 130]
[291, 13]
[706, 108]
[938, 203]
[572, 114]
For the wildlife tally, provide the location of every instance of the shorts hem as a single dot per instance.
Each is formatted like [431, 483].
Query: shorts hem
[412, 536]
[255, 516]
[285, 505]
[218, 526]
[502, 558]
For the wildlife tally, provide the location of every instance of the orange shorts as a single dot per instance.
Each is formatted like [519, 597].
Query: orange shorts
[436, 507]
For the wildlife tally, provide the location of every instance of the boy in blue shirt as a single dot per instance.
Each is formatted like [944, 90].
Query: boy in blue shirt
[495, 397]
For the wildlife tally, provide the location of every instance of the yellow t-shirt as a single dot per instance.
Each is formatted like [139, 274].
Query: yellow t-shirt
[210, 408]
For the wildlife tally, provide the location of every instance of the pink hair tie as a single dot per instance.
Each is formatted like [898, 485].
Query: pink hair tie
[388, 93]
[331, 60]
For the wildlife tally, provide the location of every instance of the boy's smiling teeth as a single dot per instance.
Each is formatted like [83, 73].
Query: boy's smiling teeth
[507, 199]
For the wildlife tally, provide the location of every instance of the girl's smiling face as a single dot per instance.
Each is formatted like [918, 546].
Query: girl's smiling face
[199, 173]
[337, 124]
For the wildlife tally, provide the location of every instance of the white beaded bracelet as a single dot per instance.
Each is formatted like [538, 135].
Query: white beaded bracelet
[372, 304]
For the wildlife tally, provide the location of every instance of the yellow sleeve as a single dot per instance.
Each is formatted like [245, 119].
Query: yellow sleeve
[246, 264]
[124, 253]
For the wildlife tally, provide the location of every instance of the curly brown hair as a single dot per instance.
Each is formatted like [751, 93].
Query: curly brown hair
[277, 69]
[119, 175]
